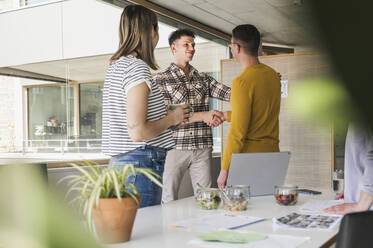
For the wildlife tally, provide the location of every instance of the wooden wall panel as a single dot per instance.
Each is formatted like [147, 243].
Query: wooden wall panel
[310, 145]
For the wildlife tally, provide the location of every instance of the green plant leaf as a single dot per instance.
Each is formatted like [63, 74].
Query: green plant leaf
[98, 196]
[71, 189]
[94, 184]
[149, 174]
[66, 178]
[77, 180]
[132, 196]
[125, 171]
[134, 188]
[91, 203]
[87, 174]
[75, 199]
[116, 184]
[85, 187]
[93, 169]
[85, 207]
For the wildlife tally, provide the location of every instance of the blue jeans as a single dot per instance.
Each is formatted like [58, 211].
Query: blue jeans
[150, 157]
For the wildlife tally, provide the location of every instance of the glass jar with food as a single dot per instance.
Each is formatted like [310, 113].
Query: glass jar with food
[286, 195]
[236, 197]
[208, 198]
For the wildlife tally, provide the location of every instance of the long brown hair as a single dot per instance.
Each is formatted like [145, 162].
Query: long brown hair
[135, 34]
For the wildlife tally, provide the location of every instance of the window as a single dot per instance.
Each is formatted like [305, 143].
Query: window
[90, 112]
[49, 122]
[64, 113]
[216, 104]
[51, 115]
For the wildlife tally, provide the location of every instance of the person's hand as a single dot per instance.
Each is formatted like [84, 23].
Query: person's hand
[213, 118]
[340, 196]
[216, 121]
[179, 115]
[344, 208]
[222, 178]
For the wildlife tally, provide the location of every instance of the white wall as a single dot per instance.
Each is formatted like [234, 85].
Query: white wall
[31, 35]
[58, 30]
[90, 28]
[8, 4]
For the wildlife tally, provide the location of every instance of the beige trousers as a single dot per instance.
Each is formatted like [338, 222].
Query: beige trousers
[177, 163]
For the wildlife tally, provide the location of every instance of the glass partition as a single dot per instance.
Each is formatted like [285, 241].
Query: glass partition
[90, 112]
[49, 122]
[55, 106]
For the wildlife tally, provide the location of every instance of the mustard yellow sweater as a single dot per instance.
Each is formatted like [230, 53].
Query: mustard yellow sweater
[255, 101]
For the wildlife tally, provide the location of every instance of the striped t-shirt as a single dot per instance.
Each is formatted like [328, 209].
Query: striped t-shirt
[122, 75]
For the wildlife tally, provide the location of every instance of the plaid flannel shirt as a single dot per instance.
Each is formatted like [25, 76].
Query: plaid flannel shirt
[176, 88]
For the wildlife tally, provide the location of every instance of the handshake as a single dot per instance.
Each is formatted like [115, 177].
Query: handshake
[214, 118]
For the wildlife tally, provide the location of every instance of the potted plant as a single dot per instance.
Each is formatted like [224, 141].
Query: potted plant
[106, 195]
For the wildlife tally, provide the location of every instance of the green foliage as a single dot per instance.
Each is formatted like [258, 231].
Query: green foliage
[94, 183]
[232, 237]
[322, 100]
[32, 216]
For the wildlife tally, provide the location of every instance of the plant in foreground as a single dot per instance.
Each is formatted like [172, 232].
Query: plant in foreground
[96, 183]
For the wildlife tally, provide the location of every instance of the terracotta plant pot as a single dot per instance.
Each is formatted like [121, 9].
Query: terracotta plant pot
[114, 219]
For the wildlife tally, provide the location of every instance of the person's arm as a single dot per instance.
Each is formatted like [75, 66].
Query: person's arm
[364, 203]
[212, 118]
[367, 178]
[240, 119]
[139, 128]
[366, 183]
[218, 90]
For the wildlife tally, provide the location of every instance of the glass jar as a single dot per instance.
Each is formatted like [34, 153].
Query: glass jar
[208, 198]
[235, 198]
[286, 194]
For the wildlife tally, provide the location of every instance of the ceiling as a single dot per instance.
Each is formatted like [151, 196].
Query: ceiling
[283, 22]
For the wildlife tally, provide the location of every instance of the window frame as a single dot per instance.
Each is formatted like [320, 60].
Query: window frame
[76, 111]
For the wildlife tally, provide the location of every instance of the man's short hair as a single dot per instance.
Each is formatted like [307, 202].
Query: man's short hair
[249, 36]
[175, 35]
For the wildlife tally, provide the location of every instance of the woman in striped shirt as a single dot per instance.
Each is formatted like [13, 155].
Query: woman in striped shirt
[136, 123]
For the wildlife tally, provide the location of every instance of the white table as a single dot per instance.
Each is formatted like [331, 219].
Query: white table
[152, 226]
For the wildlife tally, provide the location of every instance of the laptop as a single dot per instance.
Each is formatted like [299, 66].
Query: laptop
[262, 171]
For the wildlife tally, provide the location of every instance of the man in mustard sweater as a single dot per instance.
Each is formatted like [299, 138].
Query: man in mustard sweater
[255, 101]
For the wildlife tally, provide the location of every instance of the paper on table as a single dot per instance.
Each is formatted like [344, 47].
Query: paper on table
[308, 221]
[272, 241]
[319, 205]
[214, 222]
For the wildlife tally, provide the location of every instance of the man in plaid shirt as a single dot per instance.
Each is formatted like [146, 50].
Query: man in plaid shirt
[182, 83]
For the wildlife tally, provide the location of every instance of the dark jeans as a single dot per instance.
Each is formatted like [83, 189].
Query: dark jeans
[150, 157]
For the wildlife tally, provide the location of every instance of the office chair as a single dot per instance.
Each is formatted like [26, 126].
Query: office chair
[356, 231]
